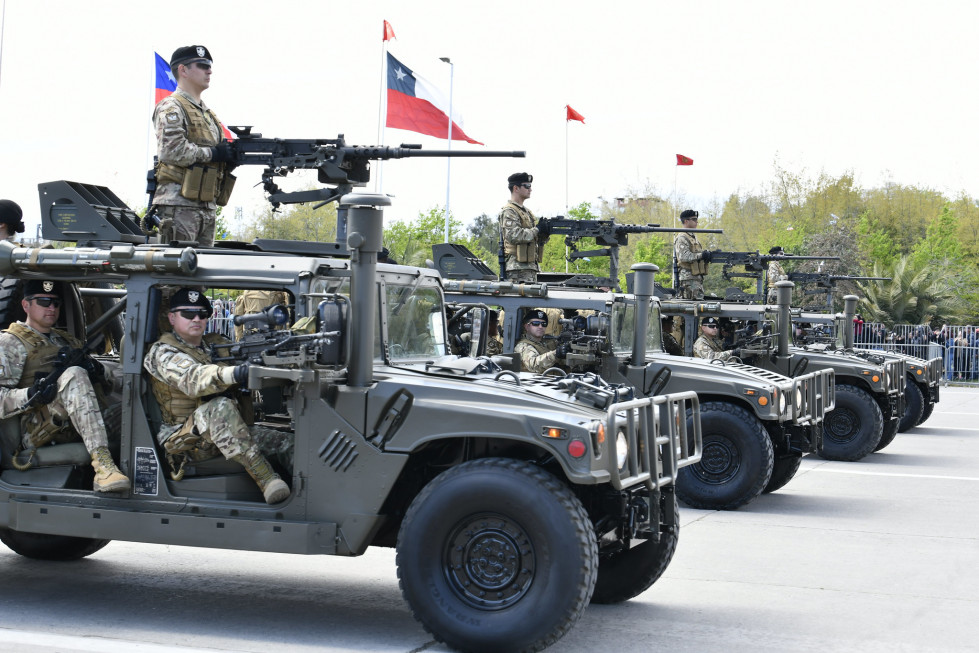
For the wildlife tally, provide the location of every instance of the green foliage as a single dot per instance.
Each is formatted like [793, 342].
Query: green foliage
[918, 293]
[410, 243]
[940, 245]
[875, 242]
[296, 222]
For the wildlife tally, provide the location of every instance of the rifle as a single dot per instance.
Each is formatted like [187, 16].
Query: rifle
[607, 234]
[65, 358]
[269, 347]
[824, 283]
[756, 266]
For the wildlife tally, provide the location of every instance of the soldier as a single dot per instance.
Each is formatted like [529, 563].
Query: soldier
[192, 170]
[776, 273]
[709, 345]
[536, 355]
[670, 345]
[523, 242]
[494, 346]
[11, 219]
[254, 301]
[691, 258]
[54, 410]
[196, 422]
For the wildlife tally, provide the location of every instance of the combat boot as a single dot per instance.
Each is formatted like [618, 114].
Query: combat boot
[258, 467]
[108, 478]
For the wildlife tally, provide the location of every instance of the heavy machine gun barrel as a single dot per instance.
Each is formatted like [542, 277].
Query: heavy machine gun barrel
[120, 258]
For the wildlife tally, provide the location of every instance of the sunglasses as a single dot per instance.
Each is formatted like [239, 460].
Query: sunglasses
[45, 302]
[527, 186]
[191, 313]
[537, 323]
[203, 66]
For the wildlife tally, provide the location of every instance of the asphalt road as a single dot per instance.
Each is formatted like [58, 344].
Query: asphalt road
[880, 555]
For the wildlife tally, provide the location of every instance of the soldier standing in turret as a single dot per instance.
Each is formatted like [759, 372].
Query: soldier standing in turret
[776, 273]
[65, 410]
[11, 219]
[523, 243]
[536, 355]
[192, 173]
[691, 258]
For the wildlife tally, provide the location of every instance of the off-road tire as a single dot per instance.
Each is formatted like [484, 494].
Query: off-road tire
[888, 434]
[783, 471]
[497, 555]
[50, 547]
[624, 575]
[737, 460]
[854, 428]
[926, 412]
[914, 402]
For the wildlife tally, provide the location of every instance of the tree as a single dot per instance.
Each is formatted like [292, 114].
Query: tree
[917, 294]
[410, 243]
[296, 222]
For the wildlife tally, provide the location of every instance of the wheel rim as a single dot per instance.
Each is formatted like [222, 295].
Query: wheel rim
[720, 462]
[489, 561]
[841, 425]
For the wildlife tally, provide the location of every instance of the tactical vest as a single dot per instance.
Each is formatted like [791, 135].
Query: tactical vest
[199, 133]
[175, 406]
[523, 252]
[698, 267]
[41, 352]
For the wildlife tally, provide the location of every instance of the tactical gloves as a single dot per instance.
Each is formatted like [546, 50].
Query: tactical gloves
[221, 153]
[543, 228]
[705, 255]
[241, 375]
[42, 392]
[561, 352]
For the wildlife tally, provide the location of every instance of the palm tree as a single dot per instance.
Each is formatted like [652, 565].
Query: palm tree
[916, 294]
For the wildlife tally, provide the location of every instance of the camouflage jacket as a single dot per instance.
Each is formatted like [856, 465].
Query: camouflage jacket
[535, 356]
[13, 360]
[776, 273]
[523, 249]
[689, 256]
[174, 148]
[711, 349]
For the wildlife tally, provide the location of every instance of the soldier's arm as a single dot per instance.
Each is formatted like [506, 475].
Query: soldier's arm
[683, 252]
[531, 361]
[179, 370]
[171, 136]
[513, 232]
[13, 356]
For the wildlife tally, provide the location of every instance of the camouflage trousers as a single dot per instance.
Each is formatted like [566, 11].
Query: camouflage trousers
[691, 288]
[218, 422]
[521, 276]
[191, 223]
[75, 406]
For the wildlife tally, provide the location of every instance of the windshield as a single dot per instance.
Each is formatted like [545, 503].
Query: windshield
[415, 321]
[623, 323]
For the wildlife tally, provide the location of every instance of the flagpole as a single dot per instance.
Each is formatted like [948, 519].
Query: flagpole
[378, 185]
[566, 156]
[448, 160]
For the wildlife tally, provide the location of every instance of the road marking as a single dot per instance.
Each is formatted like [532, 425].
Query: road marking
[23, 640]
[946, 428]
[898, 475]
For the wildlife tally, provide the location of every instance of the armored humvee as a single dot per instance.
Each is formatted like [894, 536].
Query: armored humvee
[512, 499]
[869, 395]
[757, 424]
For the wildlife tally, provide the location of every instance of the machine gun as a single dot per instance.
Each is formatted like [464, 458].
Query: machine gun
[587, 340]
[755, 267]
[264, 343]
[607, 234]
[824, 283]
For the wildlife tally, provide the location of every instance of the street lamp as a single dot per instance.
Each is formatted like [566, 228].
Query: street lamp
[448, 161]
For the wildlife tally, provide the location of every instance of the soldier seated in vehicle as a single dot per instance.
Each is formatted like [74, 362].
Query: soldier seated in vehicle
[535, 354]
[57, 402]
[199, 419]
[710, 345]
[494, 345]
[670, 345]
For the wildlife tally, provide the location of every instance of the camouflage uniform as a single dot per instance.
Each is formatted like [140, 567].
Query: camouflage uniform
[254, 301]
[535, 355]
[692, 266]
[711, 349]
[776, 273]
[671, 346]
[523, 250]
[182, 218]
[76, 404]
[183, 372]
[494, 346]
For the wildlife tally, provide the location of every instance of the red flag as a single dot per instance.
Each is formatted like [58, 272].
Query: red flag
[574, 115]
[388, 31]
[683, 160]
[416, 105]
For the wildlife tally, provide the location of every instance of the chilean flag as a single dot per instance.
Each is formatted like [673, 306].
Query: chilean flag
[416, 105]
[166, 84]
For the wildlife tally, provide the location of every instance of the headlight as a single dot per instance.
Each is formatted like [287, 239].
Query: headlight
[887, 378]
[781, 402]
[621, 449]
[798, 398]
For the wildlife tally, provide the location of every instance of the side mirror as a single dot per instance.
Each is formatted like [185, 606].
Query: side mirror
[332, 314]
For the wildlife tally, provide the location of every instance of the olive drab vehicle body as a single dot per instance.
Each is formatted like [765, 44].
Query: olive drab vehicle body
[567, 482]
[757, 424]
[836, 333]
[869, 395]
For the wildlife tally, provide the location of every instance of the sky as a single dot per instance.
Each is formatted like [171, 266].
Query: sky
[880, 89]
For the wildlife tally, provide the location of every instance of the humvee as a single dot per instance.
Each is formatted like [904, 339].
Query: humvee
[757, 424]
[512, 499]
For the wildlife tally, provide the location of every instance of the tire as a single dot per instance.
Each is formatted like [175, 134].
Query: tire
[888, 434]
[50, 547]
[926, 412]
[737, 460]
[497, 554]
[11, 292]
[854, 428]
[914, 402]
[783, 471]
[627, 574]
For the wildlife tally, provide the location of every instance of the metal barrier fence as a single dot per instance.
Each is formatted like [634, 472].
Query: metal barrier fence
[957, 346]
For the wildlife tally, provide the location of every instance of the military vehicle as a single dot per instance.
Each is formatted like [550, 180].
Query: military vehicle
[757, 424]
[869, 395]
[922, 376]
[512, 499]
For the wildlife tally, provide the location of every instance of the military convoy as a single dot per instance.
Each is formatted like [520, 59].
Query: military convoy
[512, 499]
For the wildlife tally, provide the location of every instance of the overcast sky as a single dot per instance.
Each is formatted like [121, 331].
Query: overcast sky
[880, 88]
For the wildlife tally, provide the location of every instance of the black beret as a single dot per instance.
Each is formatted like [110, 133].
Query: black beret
[519, 178]
[776, 250]
[709, 321]
[535, 314]
[43, 287]
[666, 318]
[12, 215]
[189, 297]
[190, 54]
[689, 213]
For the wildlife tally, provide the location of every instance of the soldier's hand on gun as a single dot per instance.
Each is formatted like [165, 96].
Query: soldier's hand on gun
[42, 392]
[561, 352]
[241, 375]
[706, 255]
[543, 228]
[221, 153]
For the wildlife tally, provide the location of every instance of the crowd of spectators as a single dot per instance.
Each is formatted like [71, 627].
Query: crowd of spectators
[958, 346]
